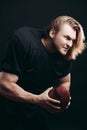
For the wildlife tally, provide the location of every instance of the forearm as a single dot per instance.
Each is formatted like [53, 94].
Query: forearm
[14, 92]
[65, 81]
[66, 85]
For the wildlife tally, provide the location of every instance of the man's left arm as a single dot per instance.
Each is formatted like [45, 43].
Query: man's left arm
[65, 81]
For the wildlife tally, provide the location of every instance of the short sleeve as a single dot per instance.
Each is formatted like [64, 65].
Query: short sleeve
[14, 56]
[67, 68]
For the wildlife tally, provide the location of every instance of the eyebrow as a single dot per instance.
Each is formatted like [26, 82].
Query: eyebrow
[71, 38]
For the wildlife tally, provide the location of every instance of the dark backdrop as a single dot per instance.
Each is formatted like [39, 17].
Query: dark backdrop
[38, 13]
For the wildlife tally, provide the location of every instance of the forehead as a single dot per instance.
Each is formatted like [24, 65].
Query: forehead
[66, 29]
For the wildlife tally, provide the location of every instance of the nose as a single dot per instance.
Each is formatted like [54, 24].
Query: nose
[70, 43]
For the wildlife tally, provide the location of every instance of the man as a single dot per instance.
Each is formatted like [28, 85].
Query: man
[36, 61]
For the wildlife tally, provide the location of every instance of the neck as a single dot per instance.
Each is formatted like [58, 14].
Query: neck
[48, 44]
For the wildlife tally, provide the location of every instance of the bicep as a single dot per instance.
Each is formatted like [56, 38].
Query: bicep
[65, 81]
[67, 78]
[4, 76]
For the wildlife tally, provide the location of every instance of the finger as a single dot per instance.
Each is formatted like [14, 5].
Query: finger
[53, 110]
[68, 105]
[49, 88]
[52, 100]
[54, 106]
[70, 97]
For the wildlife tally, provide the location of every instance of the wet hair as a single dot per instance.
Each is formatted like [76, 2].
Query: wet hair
[79, 44]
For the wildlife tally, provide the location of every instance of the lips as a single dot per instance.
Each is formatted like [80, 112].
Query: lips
[66, 48]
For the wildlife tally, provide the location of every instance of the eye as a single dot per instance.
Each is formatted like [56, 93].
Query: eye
[67, 37]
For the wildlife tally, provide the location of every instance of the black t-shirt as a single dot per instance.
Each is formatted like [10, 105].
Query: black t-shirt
[35, 66]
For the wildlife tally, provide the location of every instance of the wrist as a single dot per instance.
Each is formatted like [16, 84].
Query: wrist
[35, 99]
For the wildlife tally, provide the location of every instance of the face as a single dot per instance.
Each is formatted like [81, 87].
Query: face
[63, 40]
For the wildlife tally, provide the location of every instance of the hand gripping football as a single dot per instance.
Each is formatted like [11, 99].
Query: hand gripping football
[62, 94]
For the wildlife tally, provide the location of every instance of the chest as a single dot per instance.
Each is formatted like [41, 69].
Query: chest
[43, 65]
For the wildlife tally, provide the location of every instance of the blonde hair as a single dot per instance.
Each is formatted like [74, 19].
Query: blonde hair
[78, 45]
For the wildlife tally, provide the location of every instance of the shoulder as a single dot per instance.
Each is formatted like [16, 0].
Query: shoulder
[25, 38]
[21, 37]
[27, 35]
[26, 32]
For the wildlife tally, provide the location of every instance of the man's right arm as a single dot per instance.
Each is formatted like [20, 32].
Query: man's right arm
[10, 90]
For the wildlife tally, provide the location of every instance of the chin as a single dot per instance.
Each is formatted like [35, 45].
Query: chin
[63, 53]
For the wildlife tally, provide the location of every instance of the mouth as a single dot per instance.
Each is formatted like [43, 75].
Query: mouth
[66, 49]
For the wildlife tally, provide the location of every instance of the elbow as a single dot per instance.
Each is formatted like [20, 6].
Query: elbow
[4, 87]
[66, 85]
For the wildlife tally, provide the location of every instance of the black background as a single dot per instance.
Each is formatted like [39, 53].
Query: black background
[38, 13]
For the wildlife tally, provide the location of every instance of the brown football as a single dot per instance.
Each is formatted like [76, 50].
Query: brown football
[62, 94]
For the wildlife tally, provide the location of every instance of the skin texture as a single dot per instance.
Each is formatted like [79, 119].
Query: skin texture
[60, 42]
[63, 40]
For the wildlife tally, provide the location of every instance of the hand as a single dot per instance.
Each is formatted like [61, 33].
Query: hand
[48, 103]
[68, 103]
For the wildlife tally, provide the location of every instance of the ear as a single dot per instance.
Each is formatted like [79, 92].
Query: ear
[52, 33]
